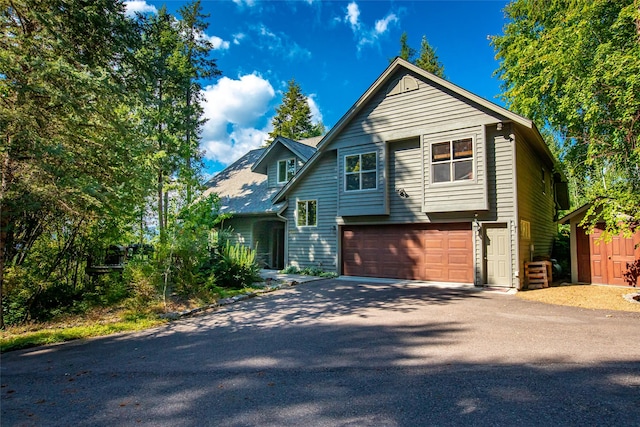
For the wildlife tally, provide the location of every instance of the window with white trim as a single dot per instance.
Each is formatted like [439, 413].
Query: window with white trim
[452, 161]
[286, 170]
[361, 172]
[307, 213]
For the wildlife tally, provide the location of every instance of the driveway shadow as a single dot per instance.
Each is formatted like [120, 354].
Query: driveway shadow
[338, 353]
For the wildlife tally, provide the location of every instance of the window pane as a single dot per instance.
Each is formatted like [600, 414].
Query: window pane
[291, 168]
[368, 180]
[302, 213]
[312, 213]
[440, 152]
[441, 173]
[463, 170]
[352, 163]
[353, 182]
[282, 171]
[369, 162]
[463, 148]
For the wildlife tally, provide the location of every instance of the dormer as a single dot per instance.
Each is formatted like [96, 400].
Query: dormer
[282, 160]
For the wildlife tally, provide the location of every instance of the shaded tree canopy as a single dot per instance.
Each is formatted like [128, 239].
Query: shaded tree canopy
[293, 117]
[574, 68]
[97, 112]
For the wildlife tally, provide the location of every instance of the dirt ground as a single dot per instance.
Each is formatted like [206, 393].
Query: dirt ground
[585, 296]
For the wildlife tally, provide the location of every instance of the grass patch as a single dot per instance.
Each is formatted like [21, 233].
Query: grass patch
[228, 293]
[105, 321]
[585, 296]
[16, 338]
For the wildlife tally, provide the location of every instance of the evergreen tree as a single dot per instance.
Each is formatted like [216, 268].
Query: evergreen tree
[406, 52]
[69, 155]
[428, 60]
[293, 117]
[196, 50]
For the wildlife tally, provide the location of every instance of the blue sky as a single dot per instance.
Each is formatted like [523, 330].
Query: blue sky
[334, 50]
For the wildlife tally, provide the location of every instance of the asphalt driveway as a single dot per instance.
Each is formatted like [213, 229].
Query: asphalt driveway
[343, 353]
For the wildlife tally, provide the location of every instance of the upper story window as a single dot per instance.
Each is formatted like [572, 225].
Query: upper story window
[361, 172]
[286, 170]
[452, 160]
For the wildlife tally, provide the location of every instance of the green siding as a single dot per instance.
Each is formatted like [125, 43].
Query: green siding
[315, 246]
[280, 153]
[470, 195]
[363, 202]
[535, 204]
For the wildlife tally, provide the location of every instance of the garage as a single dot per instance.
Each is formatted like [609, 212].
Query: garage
[430, 252]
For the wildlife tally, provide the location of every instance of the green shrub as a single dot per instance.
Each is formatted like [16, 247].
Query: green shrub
[308, 271]
[235, 266]
[292, 269]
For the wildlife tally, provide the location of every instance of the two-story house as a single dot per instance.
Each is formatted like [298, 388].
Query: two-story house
[420, 179]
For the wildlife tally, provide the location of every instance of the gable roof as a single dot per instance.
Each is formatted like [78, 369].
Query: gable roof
[242, 191]
[526, 126]
[301, 150]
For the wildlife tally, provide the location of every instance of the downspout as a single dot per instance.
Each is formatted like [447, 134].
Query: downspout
[516, 212]
[286, 232]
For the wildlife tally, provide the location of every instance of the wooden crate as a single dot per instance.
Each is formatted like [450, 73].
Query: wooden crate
[538, 274]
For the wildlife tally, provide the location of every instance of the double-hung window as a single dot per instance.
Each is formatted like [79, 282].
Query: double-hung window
[452, 161]
[286, 170]
[307, 212]
[361, 172]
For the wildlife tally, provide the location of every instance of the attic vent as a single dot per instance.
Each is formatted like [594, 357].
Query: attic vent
[404, 84]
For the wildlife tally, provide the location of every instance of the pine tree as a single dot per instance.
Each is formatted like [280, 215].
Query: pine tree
[428, 60]
[196, 51]
[406, 52]
[293, 118]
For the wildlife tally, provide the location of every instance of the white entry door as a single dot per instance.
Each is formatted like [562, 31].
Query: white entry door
[497, 255]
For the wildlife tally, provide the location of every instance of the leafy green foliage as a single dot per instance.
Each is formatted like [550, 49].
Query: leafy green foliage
[308, 271]
[574, 67]
[235, 266]
[293, 117]
[98, 112]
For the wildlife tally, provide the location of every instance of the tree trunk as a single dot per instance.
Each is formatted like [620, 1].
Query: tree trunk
[188, 137]
[160, 205]
[4, 224]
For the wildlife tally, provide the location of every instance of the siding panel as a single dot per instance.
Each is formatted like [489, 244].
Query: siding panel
[535, 204]
[468, 195]
[315, 246]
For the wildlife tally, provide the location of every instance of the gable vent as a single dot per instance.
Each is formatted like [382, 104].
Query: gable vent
[402, 85]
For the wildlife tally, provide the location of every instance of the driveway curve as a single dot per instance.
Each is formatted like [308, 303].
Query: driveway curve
[341, 353]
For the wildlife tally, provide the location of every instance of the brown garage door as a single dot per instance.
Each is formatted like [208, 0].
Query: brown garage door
[442, 252]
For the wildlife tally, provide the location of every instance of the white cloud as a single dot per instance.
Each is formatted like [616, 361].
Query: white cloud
[236, 111]
[280, 44]
[248, 3]
[139, 6]
[237, 38]
[353, 14]
[368, 35]
[218, 43]
[316, 115]
[383, 24]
